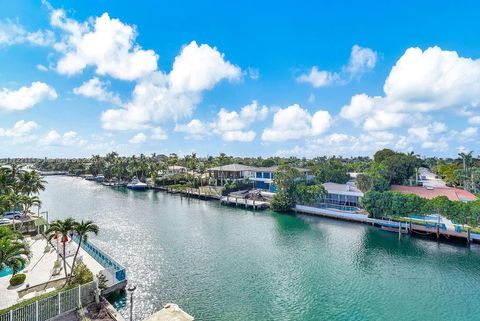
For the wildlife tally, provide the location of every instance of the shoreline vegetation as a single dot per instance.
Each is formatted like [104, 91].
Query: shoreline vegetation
[373, 177]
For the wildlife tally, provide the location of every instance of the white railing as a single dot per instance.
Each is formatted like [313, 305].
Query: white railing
[57, 304]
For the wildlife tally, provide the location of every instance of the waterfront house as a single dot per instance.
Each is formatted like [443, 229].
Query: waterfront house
[231, 172]
[429, 192]
[263, 177]
[174, 170]
[344, 197]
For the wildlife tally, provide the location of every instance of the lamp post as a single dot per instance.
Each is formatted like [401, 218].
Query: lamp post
[131, 289]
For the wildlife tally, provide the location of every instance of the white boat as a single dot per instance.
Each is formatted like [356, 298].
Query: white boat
[100, 178]
[137, 185]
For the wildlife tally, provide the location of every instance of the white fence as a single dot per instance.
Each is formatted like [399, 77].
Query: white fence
[54, 305]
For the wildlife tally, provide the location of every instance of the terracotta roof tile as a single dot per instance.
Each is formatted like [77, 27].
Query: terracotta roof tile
[453, 194]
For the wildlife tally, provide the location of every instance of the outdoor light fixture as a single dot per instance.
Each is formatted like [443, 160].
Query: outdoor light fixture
[131, 289]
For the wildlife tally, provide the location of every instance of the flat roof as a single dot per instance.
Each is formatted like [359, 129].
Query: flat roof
[233, 168]
[453, 194]
[342, 189]
[273, 169]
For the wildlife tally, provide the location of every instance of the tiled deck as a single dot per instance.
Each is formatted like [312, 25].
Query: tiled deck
[39, 270]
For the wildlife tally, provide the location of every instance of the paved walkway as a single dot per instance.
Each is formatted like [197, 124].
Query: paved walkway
[39, 270]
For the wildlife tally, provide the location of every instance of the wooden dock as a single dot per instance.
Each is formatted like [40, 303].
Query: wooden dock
[243, 202]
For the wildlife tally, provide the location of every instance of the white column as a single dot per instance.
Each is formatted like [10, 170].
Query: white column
[59, 302]
[36, 310]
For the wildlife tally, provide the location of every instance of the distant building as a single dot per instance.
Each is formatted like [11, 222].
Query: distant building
[174, 170]
[261, 177]
[426, 178]
[429, 192]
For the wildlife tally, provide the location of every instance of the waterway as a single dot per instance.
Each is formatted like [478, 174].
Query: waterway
[224, 263]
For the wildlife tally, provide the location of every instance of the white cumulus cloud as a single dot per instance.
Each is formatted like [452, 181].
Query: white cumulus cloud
[158, 134]
[294, 122]
[361, 60]
[318, 78]
[26, 97]
[420, 82]
[21, 132]
[97, 89]
[69, 138]
[195, 129]
[160, 97]
[199, 68]
[138, 139]
[12, 33]
[104, 43]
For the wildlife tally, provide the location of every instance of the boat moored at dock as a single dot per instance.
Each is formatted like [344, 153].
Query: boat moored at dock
[137, 185]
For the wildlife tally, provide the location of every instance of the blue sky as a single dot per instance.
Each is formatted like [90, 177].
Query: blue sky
[250, 79]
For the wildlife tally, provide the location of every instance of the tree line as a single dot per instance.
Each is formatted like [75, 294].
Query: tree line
[391, 204]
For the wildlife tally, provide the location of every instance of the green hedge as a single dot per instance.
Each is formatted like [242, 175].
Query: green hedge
[17, 279]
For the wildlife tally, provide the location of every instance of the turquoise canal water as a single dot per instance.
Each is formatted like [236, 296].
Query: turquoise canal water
[223, 263]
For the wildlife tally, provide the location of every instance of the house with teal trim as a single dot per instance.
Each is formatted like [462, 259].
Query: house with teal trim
[263, 177]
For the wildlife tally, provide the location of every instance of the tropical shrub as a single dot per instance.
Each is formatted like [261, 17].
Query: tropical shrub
[292, 189]
[282, 202]
[236, 186]
[17, 279]
[82, 273]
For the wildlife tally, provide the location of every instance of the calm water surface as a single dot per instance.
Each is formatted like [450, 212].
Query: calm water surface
[222, 263]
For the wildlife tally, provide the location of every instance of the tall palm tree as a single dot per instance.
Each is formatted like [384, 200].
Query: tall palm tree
[61, 228]
[467, 160]
[82, 229]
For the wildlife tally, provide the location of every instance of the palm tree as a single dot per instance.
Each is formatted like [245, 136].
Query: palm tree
[6, 181]
[13, 252]
[61, 228]
[467, 160]
[14, 203]
[28, 201]
[153, 170]
[4, 204]
[201, 170]
[30, 182]
[82, 229]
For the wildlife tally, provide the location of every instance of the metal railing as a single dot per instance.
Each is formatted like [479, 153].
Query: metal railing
[57, 304]
[104, 259]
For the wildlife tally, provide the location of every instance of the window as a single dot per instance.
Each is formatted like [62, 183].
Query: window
[266, 175]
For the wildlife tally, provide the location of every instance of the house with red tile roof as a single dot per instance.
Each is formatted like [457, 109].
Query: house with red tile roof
[429, 192]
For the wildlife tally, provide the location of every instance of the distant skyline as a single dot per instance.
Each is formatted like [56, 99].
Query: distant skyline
[249, 79]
